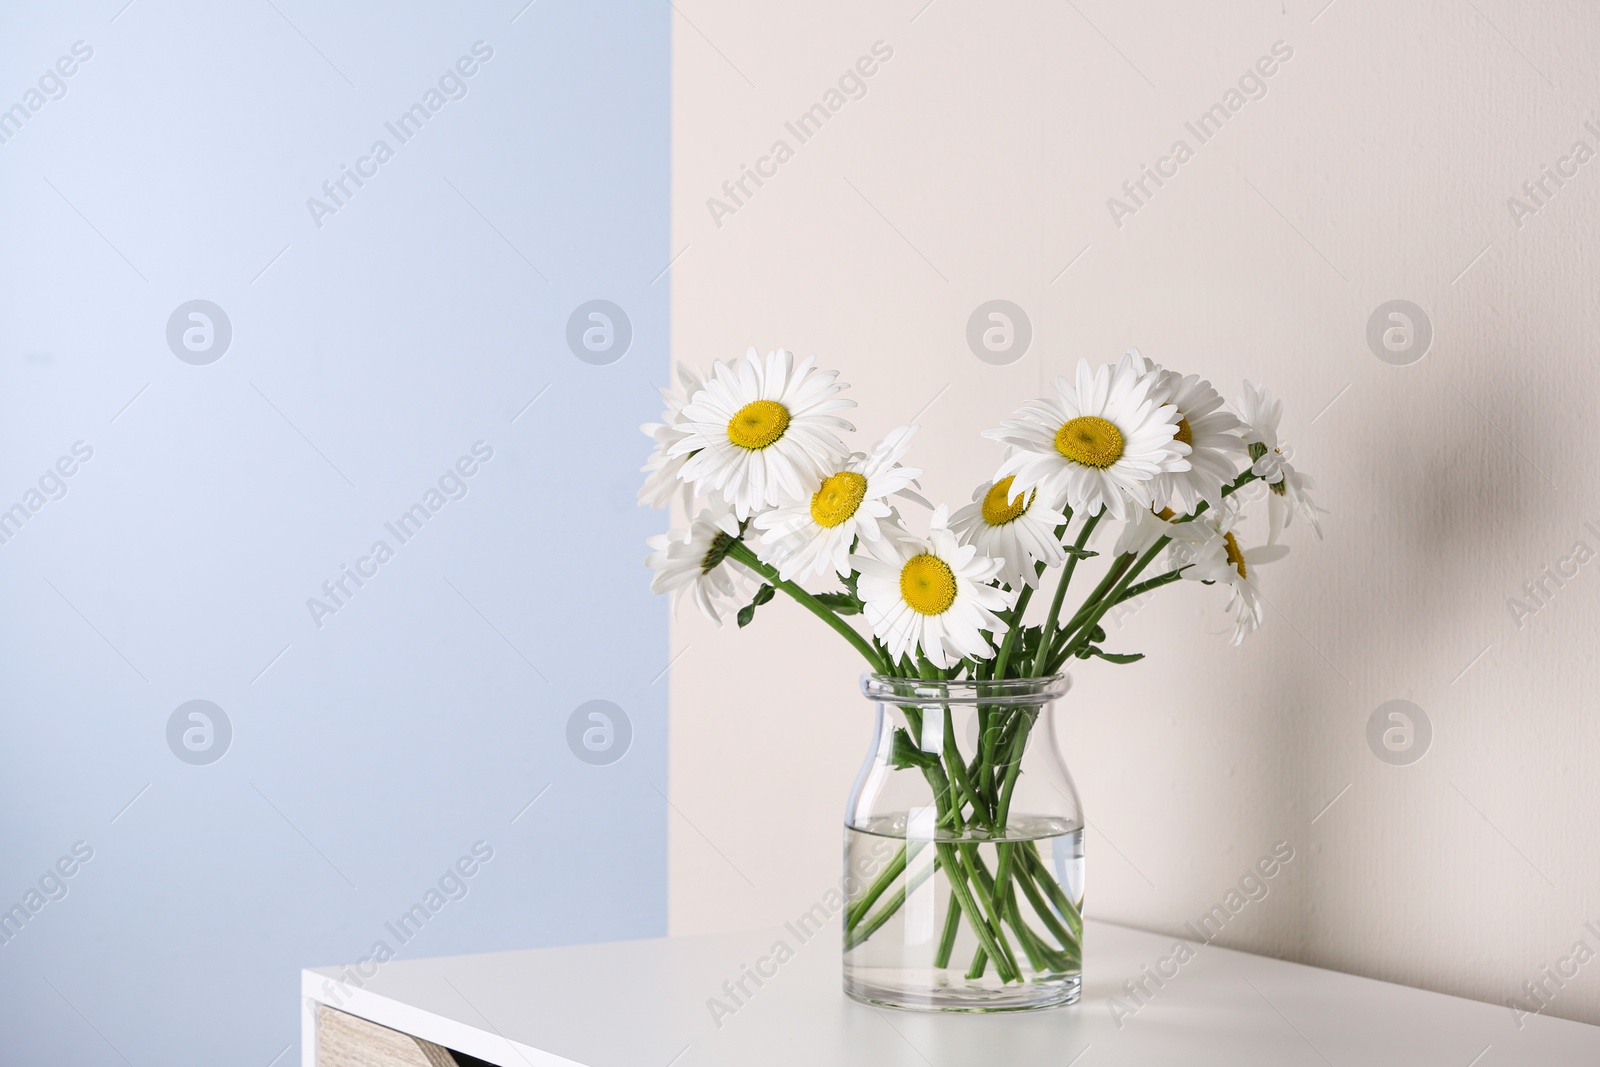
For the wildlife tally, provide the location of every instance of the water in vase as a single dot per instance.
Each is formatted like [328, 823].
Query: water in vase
[910, 941]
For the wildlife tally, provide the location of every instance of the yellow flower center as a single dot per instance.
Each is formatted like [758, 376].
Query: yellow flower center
[927, 584]
[1185, 431]
[838, 498]
[758, 424]
[1090, 440]
[998, 508]
[1235, 554]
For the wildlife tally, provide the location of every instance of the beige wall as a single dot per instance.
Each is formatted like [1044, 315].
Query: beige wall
[1378, 166]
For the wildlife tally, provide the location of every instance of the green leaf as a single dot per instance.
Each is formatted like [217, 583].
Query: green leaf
[842, 603]
[748, 613]
[1027, 645]
[905, 754]
[1081, 553]
[1110, 657]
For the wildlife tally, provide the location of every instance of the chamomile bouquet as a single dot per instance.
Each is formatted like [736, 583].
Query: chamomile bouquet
[781, 504]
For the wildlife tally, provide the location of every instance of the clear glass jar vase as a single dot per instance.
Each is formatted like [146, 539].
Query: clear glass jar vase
[964, 850]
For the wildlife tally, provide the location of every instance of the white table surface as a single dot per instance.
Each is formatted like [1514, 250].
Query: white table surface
[644, 1004]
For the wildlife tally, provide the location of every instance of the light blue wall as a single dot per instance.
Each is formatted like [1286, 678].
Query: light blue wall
[430, 709]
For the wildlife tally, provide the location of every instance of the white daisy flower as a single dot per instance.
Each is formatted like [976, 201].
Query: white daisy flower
[1289, 497]
[1261, 412]
[1216, 556]
[931, 596]
[760, 433]
[1210, 430]
[816, 534]
[1142, 529]
[1289, 488]
[1099, 444]
[662, 469]
[694, 562]
[1019, 532]
[1188, 542]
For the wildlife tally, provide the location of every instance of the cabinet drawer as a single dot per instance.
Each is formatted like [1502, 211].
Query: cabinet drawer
[343, 1040]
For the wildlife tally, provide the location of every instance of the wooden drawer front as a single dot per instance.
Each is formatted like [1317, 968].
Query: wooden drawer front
[346, 1041]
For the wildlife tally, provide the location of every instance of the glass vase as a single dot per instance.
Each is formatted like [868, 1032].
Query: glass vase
[964, 850]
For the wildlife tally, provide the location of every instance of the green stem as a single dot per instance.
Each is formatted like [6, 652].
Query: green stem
[954, 861]
[1019, 743]
[1002, 809]
[988, 727]
[1003, 805]
[1014, 628]
[1036, 949]
[1056, 658]
[896, 900]
[1044, 958]
[1005, 961]
[1097, 603]
[1112, 575]
[1040, 955]
[1080, 635]
[902, 859]
[1145, 586]
[947, 939]
[962, 891]
[1047, 633]
[958, 773]
[742, 552]
[1052, 889]
[1047, 914]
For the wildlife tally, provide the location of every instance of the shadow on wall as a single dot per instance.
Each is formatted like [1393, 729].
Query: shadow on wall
[1430, 524]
